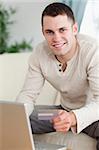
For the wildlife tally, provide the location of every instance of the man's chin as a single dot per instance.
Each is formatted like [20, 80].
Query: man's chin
[59, 53]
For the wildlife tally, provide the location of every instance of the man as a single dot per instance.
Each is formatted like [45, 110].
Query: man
[70, 62]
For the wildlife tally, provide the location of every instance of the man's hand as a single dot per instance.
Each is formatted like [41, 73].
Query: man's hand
[64, 121]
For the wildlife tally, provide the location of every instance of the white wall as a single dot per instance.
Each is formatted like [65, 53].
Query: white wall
[90, 22]
[28, 19]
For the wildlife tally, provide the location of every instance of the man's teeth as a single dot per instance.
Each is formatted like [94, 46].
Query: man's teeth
[58, 45]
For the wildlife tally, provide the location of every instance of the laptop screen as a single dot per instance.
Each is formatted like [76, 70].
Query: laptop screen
[15, 131]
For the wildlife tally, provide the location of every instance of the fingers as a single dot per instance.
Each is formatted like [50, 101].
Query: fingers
[62, 121]
[65, 129]
[62, 127]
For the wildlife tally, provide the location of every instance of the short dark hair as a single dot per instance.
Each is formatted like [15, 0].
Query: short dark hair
[57, 8]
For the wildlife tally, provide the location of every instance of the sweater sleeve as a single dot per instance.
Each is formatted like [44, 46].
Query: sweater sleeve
[90, 112]
[87, 115]
[33, 83]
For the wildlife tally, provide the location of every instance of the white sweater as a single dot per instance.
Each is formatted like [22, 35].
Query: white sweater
[78, 84]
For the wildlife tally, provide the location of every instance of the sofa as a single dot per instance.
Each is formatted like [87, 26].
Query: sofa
[12, 76]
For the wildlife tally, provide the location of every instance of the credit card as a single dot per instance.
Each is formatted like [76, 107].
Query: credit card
[47, 114]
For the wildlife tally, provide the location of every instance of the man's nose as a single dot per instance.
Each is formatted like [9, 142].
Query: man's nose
[56, 36]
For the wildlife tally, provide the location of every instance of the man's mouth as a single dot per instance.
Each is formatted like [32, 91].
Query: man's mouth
[58, 45]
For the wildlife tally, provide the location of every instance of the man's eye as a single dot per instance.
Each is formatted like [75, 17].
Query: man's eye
[49, 32]
[62, 29]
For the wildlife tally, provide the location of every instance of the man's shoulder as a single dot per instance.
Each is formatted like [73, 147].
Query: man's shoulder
[87, 42]
[86, 38]
[41, 51]
[42, 46]
[88, 46]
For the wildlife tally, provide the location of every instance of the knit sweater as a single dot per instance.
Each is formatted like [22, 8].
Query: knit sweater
[78, 84]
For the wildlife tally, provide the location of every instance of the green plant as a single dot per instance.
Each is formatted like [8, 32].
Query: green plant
[5, 24]
[19, 47]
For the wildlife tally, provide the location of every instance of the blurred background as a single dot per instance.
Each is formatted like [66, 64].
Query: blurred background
[26, 24]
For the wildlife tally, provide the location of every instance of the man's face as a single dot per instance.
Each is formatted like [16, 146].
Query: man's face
[59, 33]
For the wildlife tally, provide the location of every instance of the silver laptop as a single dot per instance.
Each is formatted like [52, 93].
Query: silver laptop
[15, 130]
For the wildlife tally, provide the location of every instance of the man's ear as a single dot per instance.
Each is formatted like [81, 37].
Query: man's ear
[42, 31]
[75, 28]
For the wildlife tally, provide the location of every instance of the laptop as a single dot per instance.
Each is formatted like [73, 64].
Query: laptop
[15, 129]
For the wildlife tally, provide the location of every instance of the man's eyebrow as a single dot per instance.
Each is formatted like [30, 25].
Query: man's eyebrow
[63, 27]
[49, 30]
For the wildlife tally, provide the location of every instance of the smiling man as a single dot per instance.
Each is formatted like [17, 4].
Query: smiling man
[70, 63]
[60, 35]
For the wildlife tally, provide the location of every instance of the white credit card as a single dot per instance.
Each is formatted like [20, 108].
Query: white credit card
[47, 114]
